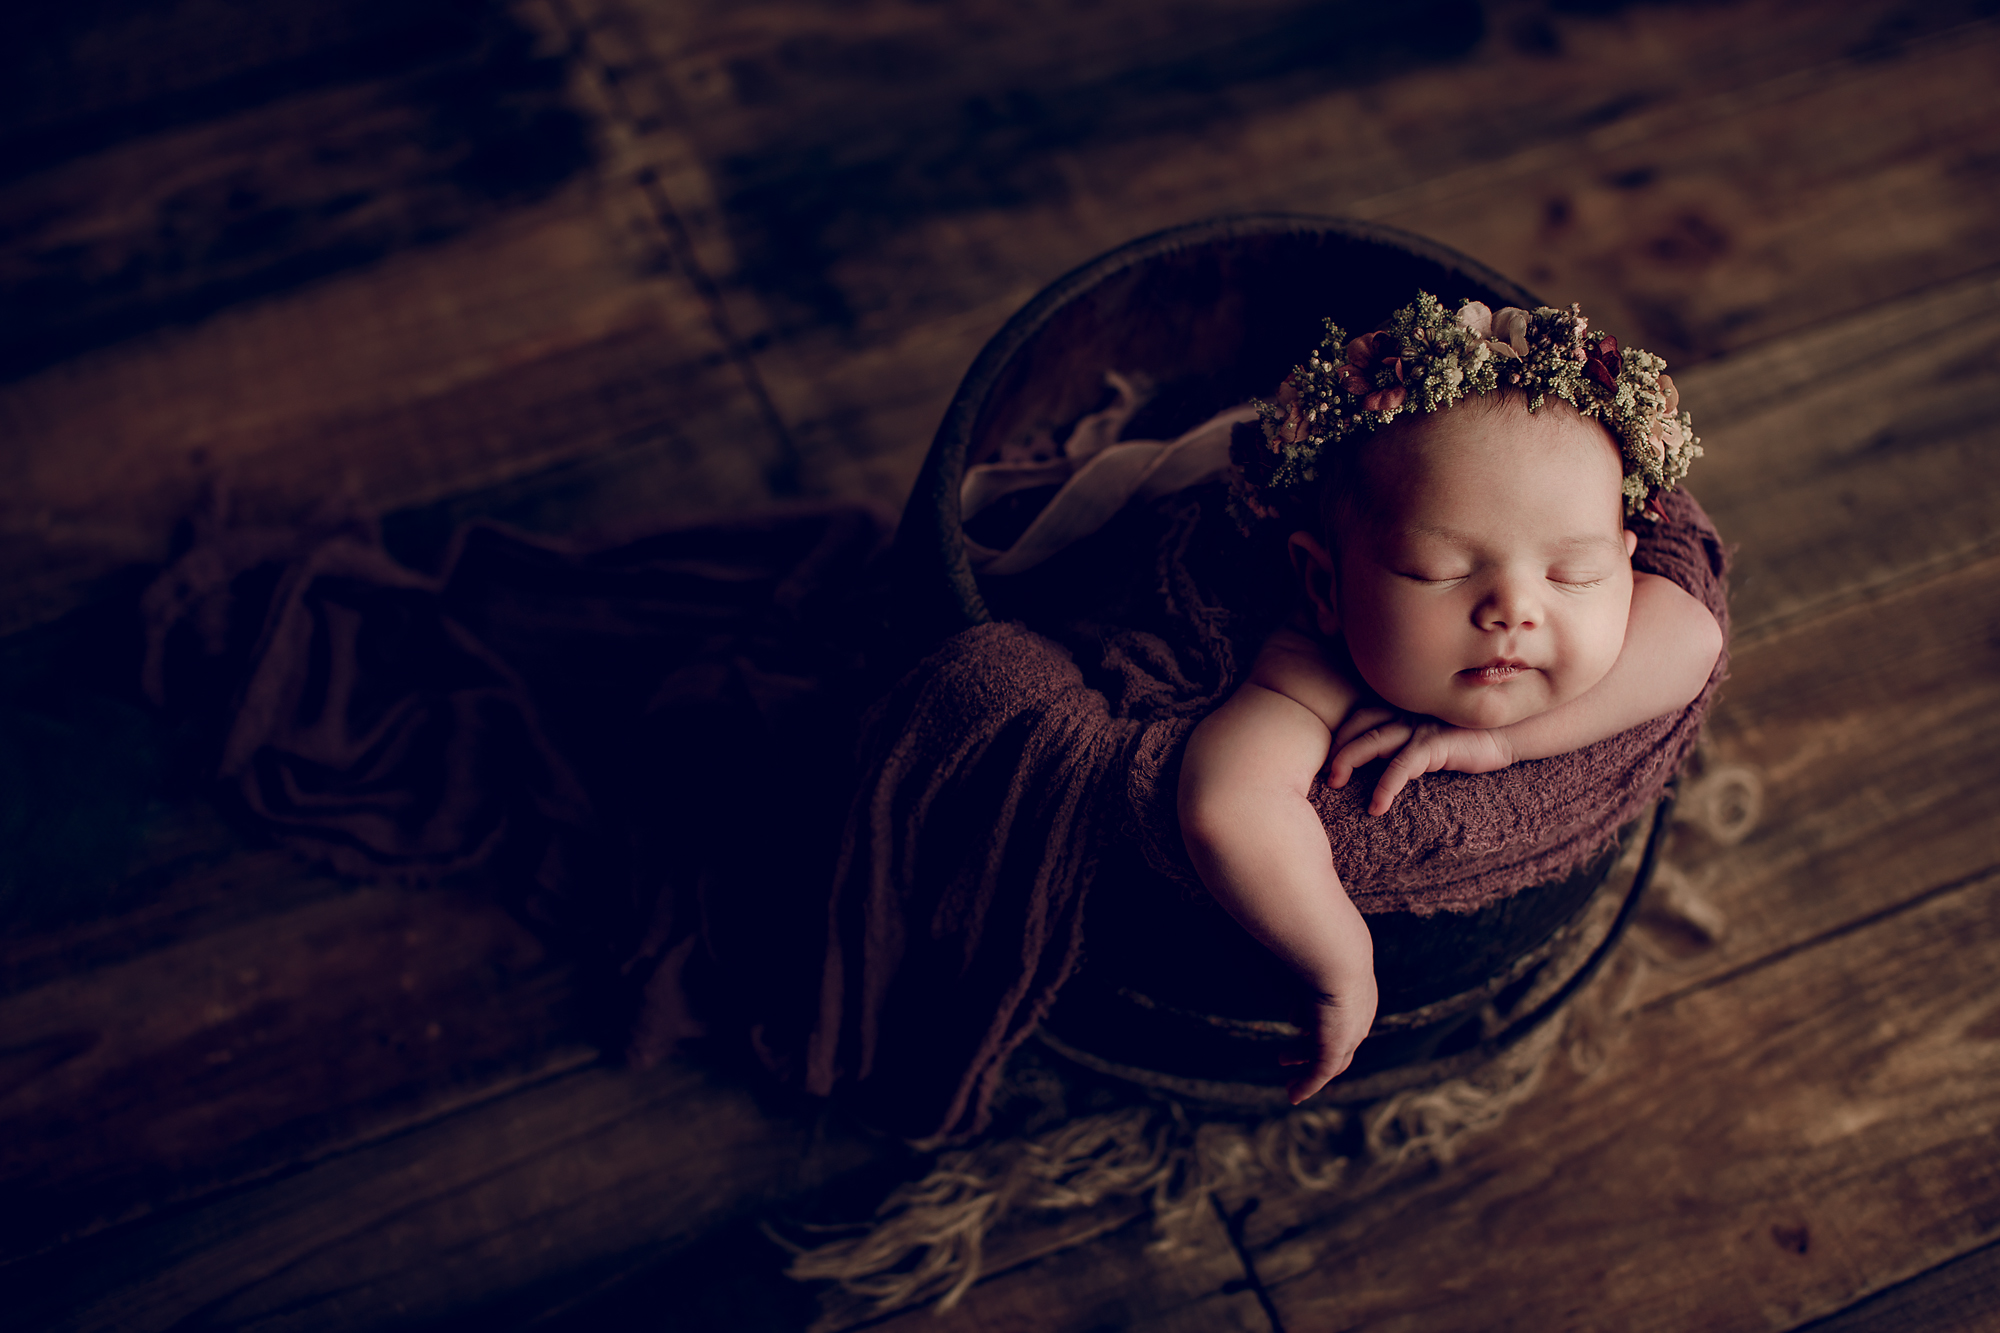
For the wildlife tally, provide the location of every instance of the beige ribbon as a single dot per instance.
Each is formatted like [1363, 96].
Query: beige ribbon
[1099, 475]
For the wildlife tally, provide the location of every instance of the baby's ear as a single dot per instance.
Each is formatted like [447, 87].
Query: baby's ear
[1315, 570]
[1631, 542]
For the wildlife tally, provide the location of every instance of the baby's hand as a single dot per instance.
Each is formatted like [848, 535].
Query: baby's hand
[1338, 1022]
[1419, 746]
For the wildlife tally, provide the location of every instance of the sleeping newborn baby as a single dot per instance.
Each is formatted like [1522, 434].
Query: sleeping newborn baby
[1458, 488]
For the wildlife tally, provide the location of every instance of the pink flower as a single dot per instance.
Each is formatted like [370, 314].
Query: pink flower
[1363, 355]
[1510, 328]
[1370, 348]
[1478, 317]
[1603, 362]
[1667, 433]
[1389, 399]
[1673, 395]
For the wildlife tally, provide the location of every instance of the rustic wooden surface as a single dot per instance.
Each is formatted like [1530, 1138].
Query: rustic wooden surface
[581, 263]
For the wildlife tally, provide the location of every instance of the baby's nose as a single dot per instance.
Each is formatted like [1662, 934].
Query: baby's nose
[1510, 604]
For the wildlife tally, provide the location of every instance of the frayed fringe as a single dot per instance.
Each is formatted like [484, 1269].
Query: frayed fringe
[928, 1237]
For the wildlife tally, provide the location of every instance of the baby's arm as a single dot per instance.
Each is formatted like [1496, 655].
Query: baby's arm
[1671, 643]
[1259, 846]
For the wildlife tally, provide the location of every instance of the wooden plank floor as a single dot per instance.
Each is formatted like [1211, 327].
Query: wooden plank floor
[579, 263]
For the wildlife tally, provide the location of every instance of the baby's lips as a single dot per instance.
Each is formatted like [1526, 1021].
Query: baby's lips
[1497, 664]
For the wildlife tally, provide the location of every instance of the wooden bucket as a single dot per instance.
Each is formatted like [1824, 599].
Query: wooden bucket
[1173, 994]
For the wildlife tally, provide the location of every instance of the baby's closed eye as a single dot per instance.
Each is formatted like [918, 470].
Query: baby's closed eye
[1435, 577]
[1575, 573]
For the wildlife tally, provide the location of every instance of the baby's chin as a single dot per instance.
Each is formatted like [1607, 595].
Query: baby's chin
[1487, 714]
[1484, 707]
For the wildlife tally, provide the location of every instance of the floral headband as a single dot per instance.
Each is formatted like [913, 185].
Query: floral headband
[1426, 360]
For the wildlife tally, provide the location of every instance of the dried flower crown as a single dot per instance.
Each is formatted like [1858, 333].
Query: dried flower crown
[1426, 359]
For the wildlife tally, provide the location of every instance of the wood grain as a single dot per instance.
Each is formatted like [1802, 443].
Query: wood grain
[1030, 121]
[226, 171]
[511, 1207]
[1701, 226]
[533, 341]
[1702, 179]
[1962, 1296]
[257, 250]
[197, 885]
[1742, 1158]
[1121, 1281]
[1873, 734]
[725, 307]
[227, 1054]
[1817, 459]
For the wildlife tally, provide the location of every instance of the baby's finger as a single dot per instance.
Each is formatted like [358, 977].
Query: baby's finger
[1359, 721]
[1369, 746]
[1407, 764]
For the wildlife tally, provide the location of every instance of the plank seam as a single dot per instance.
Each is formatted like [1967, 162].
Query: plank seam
[306, 1250]
[1632, 130]
[1723, 978]
[567, 1066]
[1251, 1281]
[1895, 584]
[783, 475]
[1850, 1318]
[1773, 363]
[148, 1211]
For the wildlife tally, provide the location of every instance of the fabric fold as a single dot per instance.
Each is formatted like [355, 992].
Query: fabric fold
[955, 916]
[1097, 475]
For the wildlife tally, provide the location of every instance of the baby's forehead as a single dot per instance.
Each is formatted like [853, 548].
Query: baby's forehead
[1390, 532]
[1505, 418]
[1426, 477]
[1432, 447]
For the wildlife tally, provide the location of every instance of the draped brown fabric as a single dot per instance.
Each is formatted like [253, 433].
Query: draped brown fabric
[616, 735]
[649, 746]
[956, 910]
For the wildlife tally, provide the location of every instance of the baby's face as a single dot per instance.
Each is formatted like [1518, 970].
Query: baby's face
[1490, 575]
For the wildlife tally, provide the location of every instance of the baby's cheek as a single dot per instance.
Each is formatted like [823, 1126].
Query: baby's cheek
[1407, 675]
[1378, 674]
[1598, 653]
